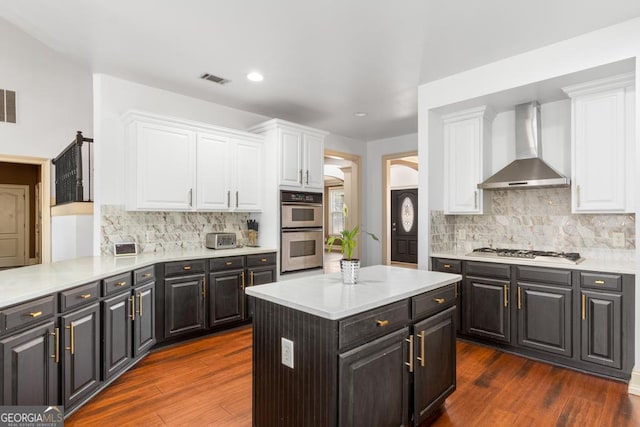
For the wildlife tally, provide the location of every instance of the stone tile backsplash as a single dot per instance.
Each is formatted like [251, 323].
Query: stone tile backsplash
[161, 231]
[538, 219]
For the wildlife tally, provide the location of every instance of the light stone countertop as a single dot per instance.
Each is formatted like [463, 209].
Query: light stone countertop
[25, 283]
[326, 296]
[589, 264]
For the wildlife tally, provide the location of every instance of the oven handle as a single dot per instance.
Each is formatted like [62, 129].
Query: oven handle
[299, 230]
[302, 204]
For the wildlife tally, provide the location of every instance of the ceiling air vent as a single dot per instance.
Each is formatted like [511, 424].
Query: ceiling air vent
[214, 79]
[7, 106]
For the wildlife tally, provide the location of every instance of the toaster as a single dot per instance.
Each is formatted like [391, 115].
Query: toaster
[221, 240]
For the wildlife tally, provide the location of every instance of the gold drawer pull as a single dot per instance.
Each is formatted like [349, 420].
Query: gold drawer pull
[410, 362]
[251, 279]
[186, 267]
[72, 338]
[422, 357]
[599, 282]
[439, 300]
[242, 277]
[506, 295]
[584, 306]
[447, 266]
[228, 263]
[145, 275]
[121, 283]
[139, 304]
[85, 296]
[519, 299]
[382, 323]
[132, 307]
[263, 260]
[56, 352]
[35, 314]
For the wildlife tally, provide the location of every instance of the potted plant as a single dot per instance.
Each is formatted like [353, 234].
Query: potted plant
[349, 266]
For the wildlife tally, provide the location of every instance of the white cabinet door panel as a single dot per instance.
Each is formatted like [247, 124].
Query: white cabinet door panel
[291, 158]
[463, 166]
[313, 177]
[248, 176]
[213, 172]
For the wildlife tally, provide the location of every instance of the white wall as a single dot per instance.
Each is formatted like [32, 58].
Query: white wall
[373, 185]
[112, 98]
[53, 96]
[69, 236]
[608, 45]
[401, 176]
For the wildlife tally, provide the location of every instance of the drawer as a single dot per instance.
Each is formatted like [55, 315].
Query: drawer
[372, 324]
[227, 263]
[27, 313]
[116, 283]
[487, 269]
[433, 301]
[612, 282]
[75, 297]
[543, 275]
[447, 265]
[144, 275]
[261, 259]
[184, 267]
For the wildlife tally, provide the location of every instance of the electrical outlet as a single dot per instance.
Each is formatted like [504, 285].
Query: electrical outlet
[462, 234]
[618, 240]
[287, 352]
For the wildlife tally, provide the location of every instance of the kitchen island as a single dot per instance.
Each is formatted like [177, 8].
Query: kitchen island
[381, 352]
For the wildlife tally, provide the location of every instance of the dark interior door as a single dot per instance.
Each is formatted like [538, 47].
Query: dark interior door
[404, 225]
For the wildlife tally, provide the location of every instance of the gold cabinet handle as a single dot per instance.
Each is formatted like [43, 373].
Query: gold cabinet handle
[421, 358]
[186, 267]
[85, 296]
[506, 295]
[140, 304]
[242, 278]
[228, 263]
[519, 299]
[447, 266]
[455, 289]
[204, 287]
[56, 345]
[72, 338]
[382, 323]
[145, 275]
[439, 300]
[263, 260]
[251, 278]
[410, 362]
[132, 308]
[599, 282]
[35, 314]
[584, 307]
[123, 283]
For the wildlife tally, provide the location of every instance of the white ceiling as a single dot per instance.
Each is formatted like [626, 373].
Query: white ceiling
[323, 60]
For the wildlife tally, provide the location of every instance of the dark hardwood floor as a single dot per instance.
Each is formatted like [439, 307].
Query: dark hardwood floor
[208, 382]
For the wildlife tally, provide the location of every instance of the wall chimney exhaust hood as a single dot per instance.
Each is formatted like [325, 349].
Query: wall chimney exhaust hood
[528, 170]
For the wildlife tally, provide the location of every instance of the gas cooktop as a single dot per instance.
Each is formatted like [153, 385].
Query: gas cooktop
[546, 256]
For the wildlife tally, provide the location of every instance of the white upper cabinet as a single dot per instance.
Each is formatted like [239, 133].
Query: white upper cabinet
[466, 137]
[602, 135]
[186, 166]
[301, 154]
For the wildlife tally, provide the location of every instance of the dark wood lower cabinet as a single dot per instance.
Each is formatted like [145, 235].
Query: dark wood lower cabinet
[374, 383]
[601, 328]
[225, 300]
[434, 376]
[183, 305]
[29, 373]
[544, 318]
[117, 315]
[487, 308]
[81, 355]
[144, 320]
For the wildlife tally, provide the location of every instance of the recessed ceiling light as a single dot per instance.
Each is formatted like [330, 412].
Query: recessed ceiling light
[255, 76]
[360, 114]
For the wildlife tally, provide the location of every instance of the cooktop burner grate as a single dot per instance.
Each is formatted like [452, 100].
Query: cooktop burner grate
[572, 257]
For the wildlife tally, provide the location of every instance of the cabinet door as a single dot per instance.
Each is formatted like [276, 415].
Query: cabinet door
[183, 305]
[487, 308]
[291, 158]
[313, 175]
[599, 152]
[165, 167]
[81, 343]
[435, 367]
[374, 383]
[248, 176]
[601, 327]
[463, 170]
[258, 276]
[226, 297]
[544, 318]
[116, 333]
[213, 172]
[145, 314]
[29, 368]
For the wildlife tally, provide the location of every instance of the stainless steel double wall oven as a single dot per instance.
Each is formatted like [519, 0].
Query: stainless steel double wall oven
[302, 238]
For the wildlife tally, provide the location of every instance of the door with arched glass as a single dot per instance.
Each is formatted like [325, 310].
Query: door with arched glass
[404, 225]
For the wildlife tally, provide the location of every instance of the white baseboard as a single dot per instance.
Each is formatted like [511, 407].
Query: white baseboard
[634, 383]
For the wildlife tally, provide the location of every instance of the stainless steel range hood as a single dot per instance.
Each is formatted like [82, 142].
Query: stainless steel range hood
[528, 170]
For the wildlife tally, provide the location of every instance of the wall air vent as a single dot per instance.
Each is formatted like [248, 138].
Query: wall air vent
[7, 106]
[215, 79]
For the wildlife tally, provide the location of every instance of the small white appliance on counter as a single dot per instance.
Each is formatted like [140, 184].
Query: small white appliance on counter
[221, 241]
